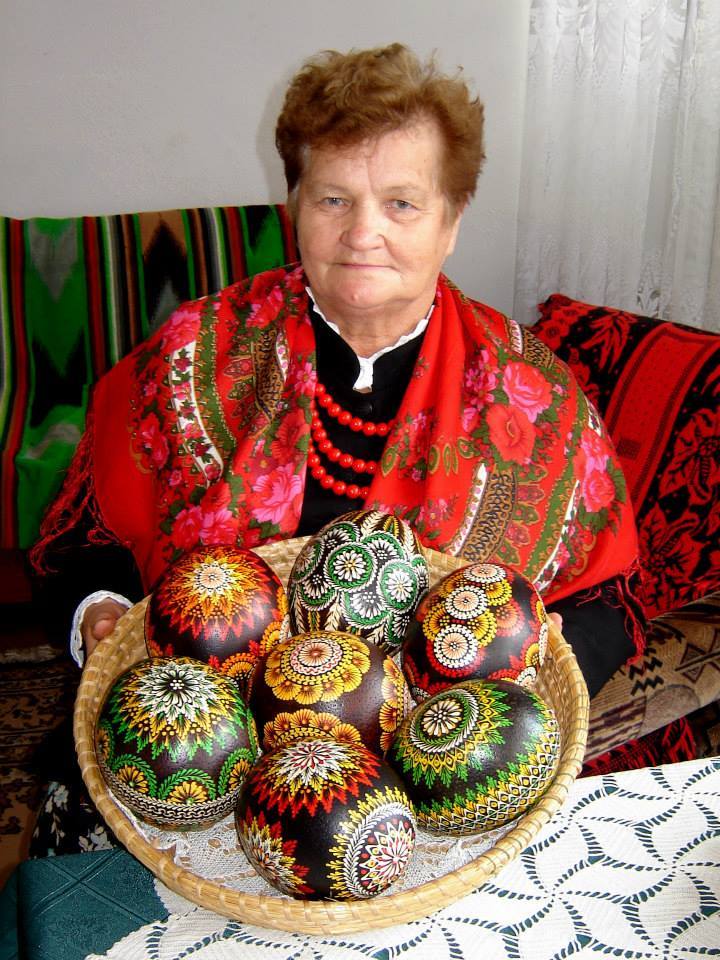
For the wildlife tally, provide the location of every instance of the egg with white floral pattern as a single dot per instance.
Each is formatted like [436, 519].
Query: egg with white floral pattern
[482, 621]
[476, 756]
[328, 683]
[174, 741]
[324, 819]
[223, 605]
[363, 573]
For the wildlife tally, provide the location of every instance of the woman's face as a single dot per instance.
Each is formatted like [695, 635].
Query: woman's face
[373, 228]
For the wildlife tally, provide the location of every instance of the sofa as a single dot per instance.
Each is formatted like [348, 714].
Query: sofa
[78, 293]
[657, 386]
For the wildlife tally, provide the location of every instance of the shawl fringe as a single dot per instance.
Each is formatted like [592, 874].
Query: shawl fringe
[623, 593]
[74, 503]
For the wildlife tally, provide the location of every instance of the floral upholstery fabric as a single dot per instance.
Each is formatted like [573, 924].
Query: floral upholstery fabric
[657, 386]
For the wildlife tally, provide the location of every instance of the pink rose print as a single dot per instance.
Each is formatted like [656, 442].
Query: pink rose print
[182, 390]
[218, 523]
[262, 313]
[281, 494]
[304, 379]
[597, 490]
[154, 442]
[186, 529]
[435, 511]
[511, 432]
[595, 450]
[478, 385]
[180, 329]
[527, 389]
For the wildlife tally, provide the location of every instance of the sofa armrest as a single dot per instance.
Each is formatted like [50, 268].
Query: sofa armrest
[678, 673]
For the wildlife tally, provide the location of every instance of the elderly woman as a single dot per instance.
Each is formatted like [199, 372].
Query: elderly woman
[360, 377]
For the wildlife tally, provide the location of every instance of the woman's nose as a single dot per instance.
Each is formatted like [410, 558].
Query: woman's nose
[363, 227]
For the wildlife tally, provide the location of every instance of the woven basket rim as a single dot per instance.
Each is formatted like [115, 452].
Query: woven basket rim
[321, 916]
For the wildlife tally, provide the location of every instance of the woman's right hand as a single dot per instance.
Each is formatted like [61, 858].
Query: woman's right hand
[99, 620]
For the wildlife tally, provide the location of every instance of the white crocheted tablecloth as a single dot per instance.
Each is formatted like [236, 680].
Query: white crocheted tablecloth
[629, 867]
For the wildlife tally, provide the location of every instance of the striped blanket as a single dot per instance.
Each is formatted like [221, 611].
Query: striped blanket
[76, 295]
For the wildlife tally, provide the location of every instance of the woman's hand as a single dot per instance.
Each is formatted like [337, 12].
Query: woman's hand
[99, 620]
[556, 619]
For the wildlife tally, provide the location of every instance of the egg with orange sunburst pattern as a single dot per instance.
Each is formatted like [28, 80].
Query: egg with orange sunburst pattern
[222, 605]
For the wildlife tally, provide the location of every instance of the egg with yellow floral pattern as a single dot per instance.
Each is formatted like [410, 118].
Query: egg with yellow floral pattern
[320, 818]
[482, 621]
[175, 740]
[328, 683]
[223, 605]
[364, 573]
[477, 755]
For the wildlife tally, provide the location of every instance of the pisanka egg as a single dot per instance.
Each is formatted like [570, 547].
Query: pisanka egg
[328, 683]
[222, 605]
[482, 621]
[477, 755]
[364, 573]
[175, 740]
[321, 819]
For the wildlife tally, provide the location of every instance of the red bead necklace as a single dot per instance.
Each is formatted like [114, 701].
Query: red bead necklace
[368, 427]
[320, 443]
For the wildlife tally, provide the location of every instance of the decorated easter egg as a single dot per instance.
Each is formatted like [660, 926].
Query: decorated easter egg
[222, 605]
[355, 691]
[365, 573]
[483, 621]
[175, 740]
[477, 755]
[318, 818]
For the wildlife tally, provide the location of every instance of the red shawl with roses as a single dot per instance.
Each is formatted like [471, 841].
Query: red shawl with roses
[200, 436]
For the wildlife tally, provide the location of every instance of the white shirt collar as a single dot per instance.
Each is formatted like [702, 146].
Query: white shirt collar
[365, 377]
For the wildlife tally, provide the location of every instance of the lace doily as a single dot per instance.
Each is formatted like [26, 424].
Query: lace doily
[214, 853]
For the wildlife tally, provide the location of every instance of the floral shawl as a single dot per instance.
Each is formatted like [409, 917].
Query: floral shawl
[200, 436]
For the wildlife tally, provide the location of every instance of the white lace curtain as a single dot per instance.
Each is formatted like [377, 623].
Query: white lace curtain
[620, 195]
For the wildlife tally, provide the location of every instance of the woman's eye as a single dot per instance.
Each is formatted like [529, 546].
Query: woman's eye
[401, 205]
[333, 201]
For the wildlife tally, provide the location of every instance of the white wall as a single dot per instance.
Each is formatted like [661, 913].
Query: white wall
[110, 106]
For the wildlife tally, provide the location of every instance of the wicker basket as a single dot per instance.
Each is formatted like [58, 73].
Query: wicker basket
[560, 683]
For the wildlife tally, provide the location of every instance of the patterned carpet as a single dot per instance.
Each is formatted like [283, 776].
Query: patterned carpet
[37, 689]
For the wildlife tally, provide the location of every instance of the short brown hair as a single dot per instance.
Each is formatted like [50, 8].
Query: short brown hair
[337, 100]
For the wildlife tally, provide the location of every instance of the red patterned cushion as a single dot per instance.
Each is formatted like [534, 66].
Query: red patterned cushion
[657, 385]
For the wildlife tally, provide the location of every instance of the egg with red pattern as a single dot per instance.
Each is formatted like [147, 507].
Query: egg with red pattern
[324, 819]
[219, 604]
[482, 621]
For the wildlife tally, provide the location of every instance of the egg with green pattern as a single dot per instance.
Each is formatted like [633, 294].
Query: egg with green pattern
[174, 741]
[363, 573]
[477, 755]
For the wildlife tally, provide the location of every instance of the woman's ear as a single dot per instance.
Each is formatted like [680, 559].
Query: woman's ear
[455, 219]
